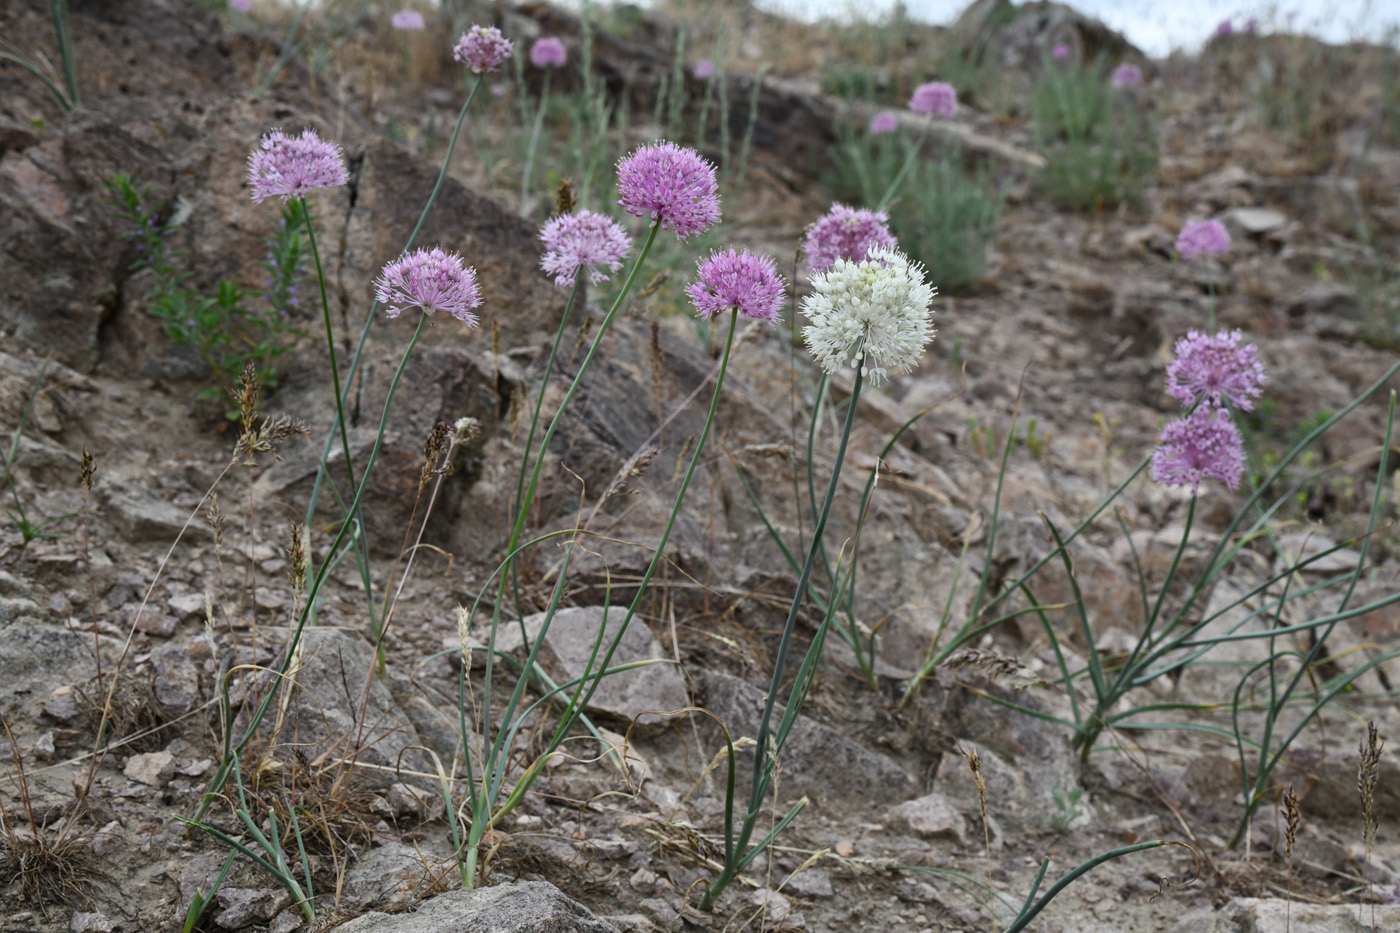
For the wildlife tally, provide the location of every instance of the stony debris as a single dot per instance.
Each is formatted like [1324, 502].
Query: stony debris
[520, 907]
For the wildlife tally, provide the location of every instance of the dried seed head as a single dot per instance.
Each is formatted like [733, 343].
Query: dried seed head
[1366, 777]
[464, 620]
[89, 470]
[266, 437]
[564, 201]
[1291, 819]
[435, 448]
[468, 430]
[296, 556]
[635, 467]
[247, 395]
[215, 517]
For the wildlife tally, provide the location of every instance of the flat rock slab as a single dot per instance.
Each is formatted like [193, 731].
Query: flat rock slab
[35, 658]
[1273, 915]
[628, 696]
[524, 907]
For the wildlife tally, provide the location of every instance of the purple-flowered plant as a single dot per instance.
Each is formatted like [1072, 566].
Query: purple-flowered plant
[1215, 370]
[1204, 445]
[584, 240]
[1225, 28]
[1126, 76]
[482, 49]
[242, 6]
[739, 281]
[288, 167]
[703, 69]
[672, 185]
[845, 233]
[1060, 51]
[408, 19]
[883, 122]
[429, 280]
[548, 52]
[1203, 238]
[937, 98]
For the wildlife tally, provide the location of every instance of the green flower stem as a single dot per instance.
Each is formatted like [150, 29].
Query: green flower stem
[369, 318]
[909, 160]
[362, 545]
[493, 769]
[534, 140]
[759, 787]
[231, 752]
[539, 463]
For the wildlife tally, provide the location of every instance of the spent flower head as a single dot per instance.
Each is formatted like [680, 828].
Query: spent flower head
[1126, 76]
[739, 281]
[883, 122]
[672, 185]
[584, 240]
[1215, 370]
[548, 52]
[430, 280]
[937, 97]
[874, 312]
[1203, 445]
[408, 19]
[1203, 238]
[845, 233]
[288, 167]
[482, 49]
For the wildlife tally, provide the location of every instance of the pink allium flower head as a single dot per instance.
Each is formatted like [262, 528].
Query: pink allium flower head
[1215, 370]
[937, 98]
[883, 122]
[584, 240]
[1126, 76]
[1203, 238]
[498, 89]
[672, 185]
[548, 52]
[1060, 51]
[1225, 28]
[432, 281]
[288, 167]
[703, 69]
[751, 284]
[1251, 25]
[1204, 445]
[482, 48]
[408, 19]
[845, 233]
[242, 6]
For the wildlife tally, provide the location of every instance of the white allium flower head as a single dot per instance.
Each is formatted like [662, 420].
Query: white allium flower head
[874, 312]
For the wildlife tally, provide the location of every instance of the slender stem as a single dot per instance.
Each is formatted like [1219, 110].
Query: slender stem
[534, 141]
[913, 154]
[759, 785]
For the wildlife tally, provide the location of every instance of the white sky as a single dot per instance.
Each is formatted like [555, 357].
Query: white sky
[1157, 26]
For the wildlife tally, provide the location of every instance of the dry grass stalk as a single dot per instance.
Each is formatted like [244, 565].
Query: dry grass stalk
[1291, 821]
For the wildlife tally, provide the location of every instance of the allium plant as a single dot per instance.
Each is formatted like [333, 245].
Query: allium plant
[1215, 370]
[704, 68]
[671, 185]
[548, 52]
[429, 280]
[845, 233]
[873, 314]
[482, 49]
[743, 283]
[883, 122]
[1060, 52]
[582, 241]
[289, 167]
[410, 20]
[1203, 445]
[935, 98]
[1203, 238]
[1126, 76]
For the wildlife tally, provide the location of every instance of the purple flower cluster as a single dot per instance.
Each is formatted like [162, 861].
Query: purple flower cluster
[704, 68]
[1204, 445]
[1208, 372]
[548, 52]
[1216, 370]
[408, 19]
[482, 49]
[430, 280]
[584, 240]
[1126, 76]
[672, 185]
[845, 233]
[288, 167]
[739, 281]
[1203, 238]
[937, 98]
[1060, 52]
[883, 122]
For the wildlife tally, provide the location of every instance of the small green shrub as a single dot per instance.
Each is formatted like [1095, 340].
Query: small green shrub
[945, 220]
[1100, 150]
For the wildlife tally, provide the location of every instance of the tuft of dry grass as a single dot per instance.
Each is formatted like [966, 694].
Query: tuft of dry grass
[50, 868]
